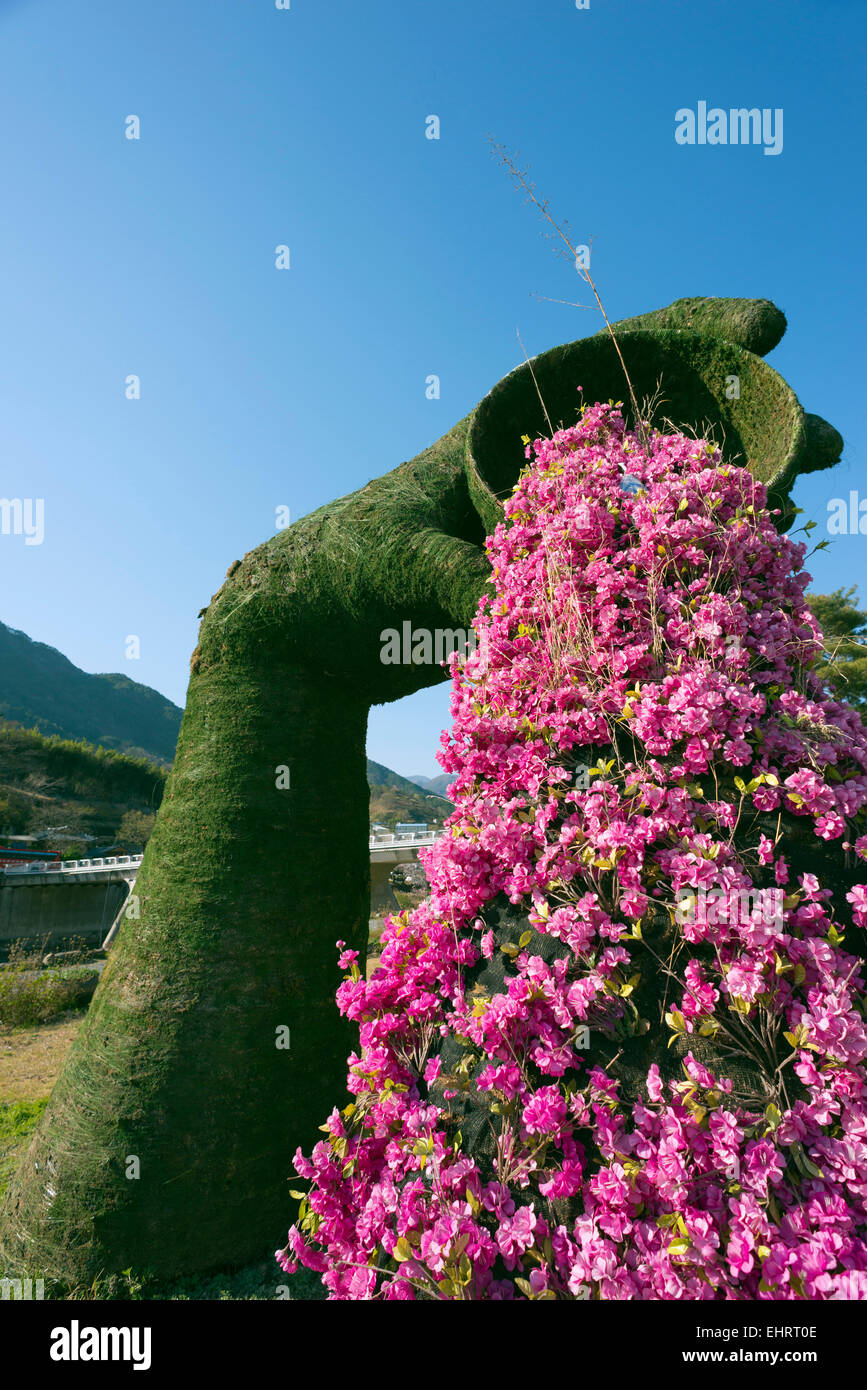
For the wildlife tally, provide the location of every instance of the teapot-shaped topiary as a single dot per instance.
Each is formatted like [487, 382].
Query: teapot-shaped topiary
[259, 858]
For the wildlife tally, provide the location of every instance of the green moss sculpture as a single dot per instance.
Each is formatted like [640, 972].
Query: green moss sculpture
[213, 1045]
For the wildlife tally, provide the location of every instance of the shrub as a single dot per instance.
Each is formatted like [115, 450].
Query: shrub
[619, 1051]
[31, 995]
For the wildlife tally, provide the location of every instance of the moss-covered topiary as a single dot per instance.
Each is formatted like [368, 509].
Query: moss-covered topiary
[241, 896]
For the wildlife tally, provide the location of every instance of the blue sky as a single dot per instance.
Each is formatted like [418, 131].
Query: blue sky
[409, 256]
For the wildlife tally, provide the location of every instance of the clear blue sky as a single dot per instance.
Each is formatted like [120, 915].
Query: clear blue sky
[409, 257]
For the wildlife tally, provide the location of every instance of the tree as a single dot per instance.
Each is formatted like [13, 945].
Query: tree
[74, 851]
[844, 627]
[15, 812]
[135, 828]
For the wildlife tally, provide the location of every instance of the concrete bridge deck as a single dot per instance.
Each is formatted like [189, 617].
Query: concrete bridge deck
[87, 897]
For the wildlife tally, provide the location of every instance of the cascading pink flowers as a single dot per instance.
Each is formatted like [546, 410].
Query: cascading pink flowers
[644, 606]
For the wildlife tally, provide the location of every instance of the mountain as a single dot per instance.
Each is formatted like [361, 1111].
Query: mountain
[41, 688]
[395, 798]
[69, 795]
[440, 785]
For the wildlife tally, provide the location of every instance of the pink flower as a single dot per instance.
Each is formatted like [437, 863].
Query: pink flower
[831, 826]
[615, 609]
[546, 1112]
[858, 898]
[515, 1235]
[766, 850]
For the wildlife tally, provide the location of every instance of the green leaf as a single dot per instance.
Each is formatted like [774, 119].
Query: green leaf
[667, 1220]
[678, 1247]
[773, 1116]
[403, 1250]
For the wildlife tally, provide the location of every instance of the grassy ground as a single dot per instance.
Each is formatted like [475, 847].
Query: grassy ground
[407, 899]
[30, 1058]
[17, 1121]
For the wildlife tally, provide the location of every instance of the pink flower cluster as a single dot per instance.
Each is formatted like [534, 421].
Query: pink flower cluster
[640, 717]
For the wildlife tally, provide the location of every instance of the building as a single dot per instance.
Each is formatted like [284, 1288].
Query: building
[12, 857]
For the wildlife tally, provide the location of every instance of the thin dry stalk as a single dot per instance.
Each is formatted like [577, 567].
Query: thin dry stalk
[519, 177]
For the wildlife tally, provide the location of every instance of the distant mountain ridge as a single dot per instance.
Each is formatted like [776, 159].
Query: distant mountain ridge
[41, 688]
[440, 785]
[395, 798]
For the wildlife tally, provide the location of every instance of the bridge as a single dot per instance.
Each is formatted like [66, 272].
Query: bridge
[385, 852]
[35, 900]
[52, 902]
[123, 867]
[404, 846]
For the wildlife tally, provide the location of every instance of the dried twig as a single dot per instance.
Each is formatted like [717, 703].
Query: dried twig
[519, 177]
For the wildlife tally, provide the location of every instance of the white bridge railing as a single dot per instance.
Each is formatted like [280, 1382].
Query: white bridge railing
[395, 841]
[71, 866]
[133, 861]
